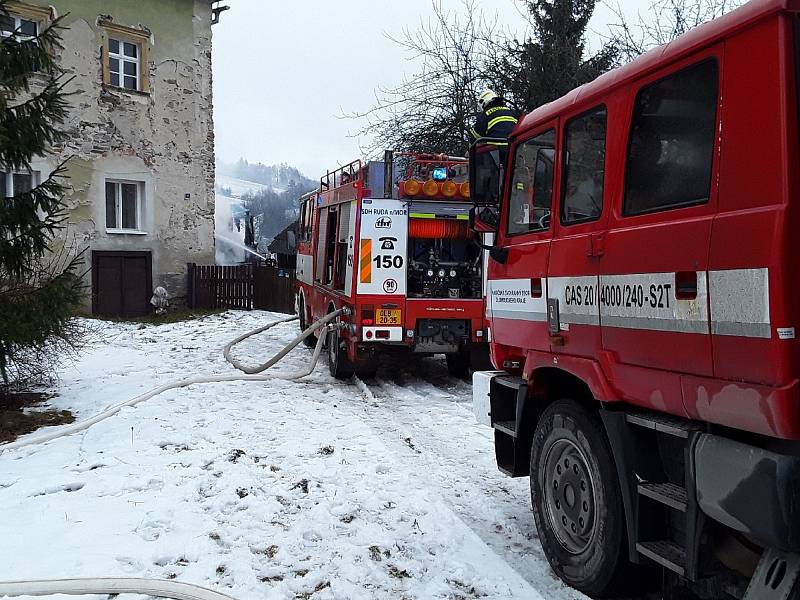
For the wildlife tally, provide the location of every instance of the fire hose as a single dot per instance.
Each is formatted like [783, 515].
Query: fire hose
[157, 587]
[113, 410]
[160, 588]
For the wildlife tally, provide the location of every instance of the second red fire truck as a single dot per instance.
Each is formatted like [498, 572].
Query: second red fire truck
[389, 242]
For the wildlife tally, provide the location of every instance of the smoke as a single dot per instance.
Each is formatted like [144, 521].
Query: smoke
[230, 240]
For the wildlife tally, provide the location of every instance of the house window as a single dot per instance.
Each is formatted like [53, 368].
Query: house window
[125, 56]
[124, 64]
[13, 184]
[124, 200]
[19, 28]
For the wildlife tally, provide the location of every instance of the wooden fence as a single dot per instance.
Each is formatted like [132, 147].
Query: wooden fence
[242, 287]
[274, 289]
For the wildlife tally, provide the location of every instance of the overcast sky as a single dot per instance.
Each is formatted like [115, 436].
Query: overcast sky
[285, 72]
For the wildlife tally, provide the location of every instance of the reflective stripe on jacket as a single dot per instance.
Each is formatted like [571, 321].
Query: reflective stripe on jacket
[495, 122]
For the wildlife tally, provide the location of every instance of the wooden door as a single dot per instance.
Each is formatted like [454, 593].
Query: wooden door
[121, 283]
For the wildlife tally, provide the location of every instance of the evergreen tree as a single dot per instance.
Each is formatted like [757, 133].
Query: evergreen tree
[40, 289]
[553, 60]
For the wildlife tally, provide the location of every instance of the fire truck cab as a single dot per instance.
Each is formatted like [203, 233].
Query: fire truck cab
[389, 243]
[643, 305]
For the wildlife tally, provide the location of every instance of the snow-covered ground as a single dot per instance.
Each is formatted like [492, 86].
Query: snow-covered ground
[313, 489]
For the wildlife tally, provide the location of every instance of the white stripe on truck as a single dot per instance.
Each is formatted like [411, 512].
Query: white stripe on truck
[740, 303]
[648, 301]
[730, 302]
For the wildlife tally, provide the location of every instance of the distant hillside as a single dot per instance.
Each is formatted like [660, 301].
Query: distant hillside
[236, 188]
[279, 177]
[269, 192]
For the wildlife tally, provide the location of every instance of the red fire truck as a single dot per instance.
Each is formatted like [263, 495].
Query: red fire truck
[389, 242]
[643, 302]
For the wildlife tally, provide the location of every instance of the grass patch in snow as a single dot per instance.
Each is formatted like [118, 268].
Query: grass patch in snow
[173, 316]
[398, 573]
[269, 551]
[22, 413]
[301, 485]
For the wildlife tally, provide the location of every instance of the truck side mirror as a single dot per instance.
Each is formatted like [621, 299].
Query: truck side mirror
[487, 220]
[484, 219]
[486, 171]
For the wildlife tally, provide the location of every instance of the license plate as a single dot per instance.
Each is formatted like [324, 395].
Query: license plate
[388, 316]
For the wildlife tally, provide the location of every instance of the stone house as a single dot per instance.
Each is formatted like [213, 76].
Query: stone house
[141, 141]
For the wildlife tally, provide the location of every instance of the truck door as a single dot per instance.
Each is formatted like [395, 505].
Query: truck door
[654, 269]
[574, 266]
[517, 286]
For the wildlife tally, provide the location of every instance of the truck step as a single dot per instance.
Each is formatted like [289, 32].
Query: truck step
[663, 423]
[669, 494]
[507, 427]
[776, 577]
[666, 553]
[511, 381]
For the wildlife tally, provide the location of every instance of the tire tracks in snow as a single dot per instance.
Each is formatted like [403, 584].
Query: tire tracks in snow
[415, 411]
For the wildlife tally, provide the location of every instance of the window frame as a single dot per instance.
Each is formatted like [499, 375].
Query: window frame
[138, 37]
[305, 228]
[301, 230]
[140, 189]
[712, 56]
[20, 11]
[511, 160]
[17, 19]
[123, 59]
[9, 192]
[565, 171]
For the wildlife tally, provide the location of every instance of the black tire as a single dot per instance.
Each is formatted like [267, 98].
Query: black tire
[458, 364]
[576, 499]
[338, 363]
[311, 340]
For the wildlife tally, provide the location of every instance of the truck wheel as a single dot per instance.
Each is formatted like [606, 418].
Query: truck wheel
[458, 364]
[338, 363]
[576, 499]
[311, 340]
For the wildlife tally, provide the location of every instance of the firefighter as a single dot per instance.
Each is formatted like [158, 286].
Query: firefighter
[495, 119]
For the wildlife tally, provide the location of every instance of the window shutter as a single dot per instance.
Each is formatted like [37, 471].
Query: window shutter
[104, 60]
[144, 67]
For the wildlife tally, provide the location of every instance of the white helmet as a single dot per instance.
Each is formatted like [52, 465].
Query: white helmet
[486, 97]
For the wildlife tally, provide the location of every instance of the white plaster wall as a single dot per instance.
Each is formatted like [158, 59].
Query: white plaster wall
[164, 139]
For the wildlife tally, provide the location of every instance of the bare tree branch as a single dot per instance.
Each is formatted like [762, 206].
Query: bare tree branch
[431, 111]
[664, 21]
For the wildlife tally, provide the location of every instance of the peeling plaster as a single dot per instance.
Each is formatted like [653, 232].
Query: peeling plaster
[164, 138]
